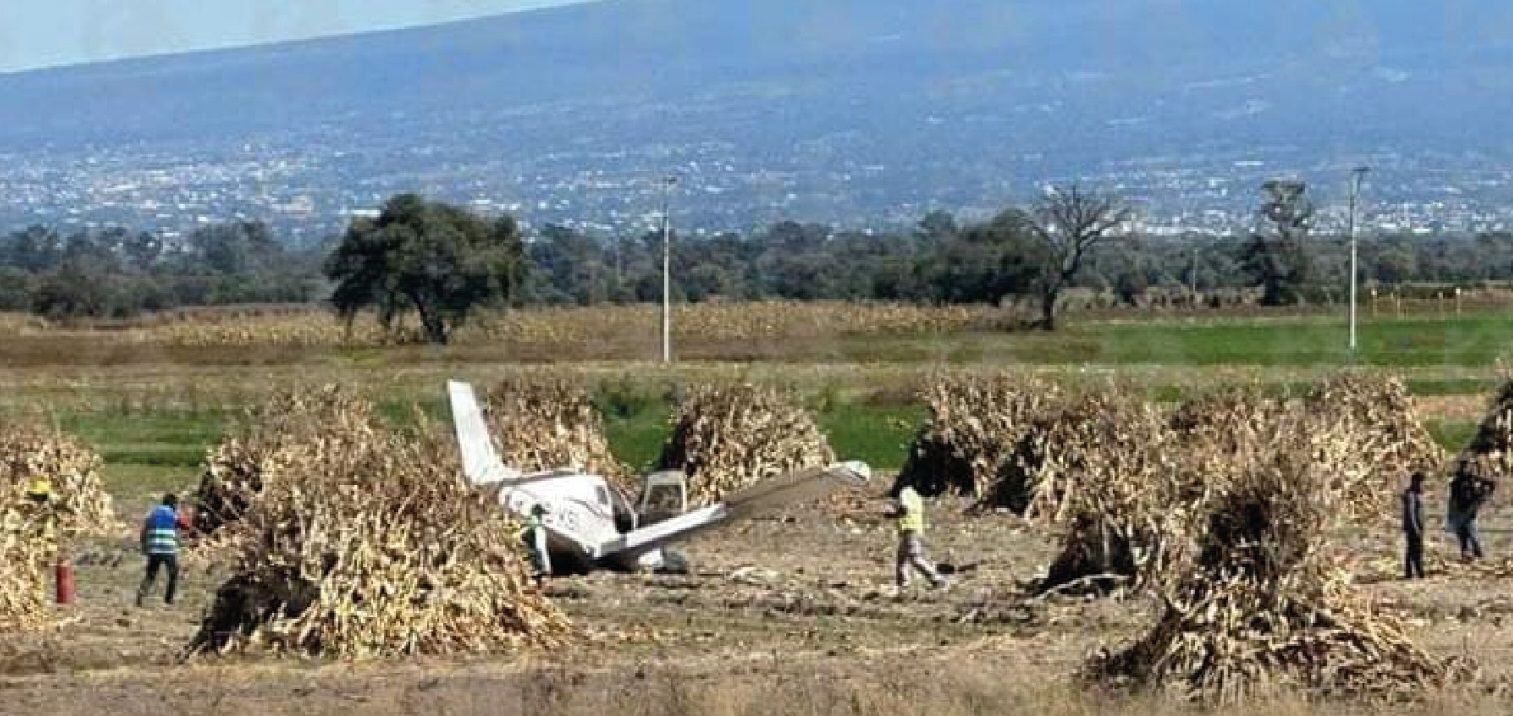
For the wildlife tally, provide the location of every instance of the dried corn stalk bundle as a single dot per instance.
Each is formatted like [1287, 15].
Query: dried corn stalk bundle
[1371, 437]
[31, 532]
[79, 504]
[1213, 414]
[726, 438]
[1112, 477]
[548, 422]
[1067, 439]
[27, 546]
[1389, 440]
[976, 422]
[367, 544]
[1260, 604]
[234, 478]
[1215, 435]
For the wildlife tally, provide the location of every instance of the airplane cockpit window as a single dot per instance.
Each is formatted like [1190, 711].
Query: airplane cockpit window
[663, 497]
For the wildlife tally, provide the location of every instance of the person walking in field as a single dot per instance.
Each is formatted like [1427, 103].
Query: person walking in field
[1413, 527]
[909, 511]
[534, 535]
[1467, 494]
[160, 544]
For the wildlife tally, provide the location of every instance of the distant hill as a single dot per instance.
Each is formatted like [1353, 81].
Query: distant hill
[1039, 87]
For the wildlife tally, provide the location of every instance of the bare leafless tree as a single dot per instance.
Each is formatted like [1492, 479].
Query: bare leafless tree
[1070, 223]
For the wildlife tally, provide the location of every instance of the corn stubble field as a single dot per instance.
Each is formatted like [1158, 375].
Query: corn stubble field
[1123, 539]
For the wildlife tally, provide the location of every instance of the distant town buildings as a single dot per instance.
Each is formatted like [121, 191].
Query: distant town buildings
[309, 192]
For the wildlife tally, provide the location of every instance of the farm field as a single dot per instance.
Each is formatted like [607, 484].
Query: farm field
[153, 406]
[821, 333]
[759, 626]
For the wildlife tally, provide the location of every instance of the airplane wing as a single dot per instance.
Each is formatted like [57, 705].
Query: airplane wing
[768, 496]
[480, 459]
[761, 498]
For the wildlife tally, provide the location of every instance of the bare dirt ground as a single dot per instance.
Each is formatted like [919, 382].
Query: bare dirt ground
[778, 616]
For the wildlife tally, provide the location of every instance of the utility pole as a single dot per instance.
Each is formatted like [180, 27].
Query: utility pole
[1192, 277]
[1355, 190]
[667, 184]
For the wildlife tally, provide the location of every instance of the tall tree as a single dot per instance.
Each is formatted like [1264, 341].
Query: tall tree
[1279, 259]
[434, 258]
[1070, 223]
[986, 262]
[569, 266]
[35, 249]
[236, 247]
[936, 227]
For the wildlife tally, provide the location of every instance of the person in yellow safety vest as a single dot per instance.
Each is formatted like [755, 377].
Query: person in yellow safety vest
[909, 510]
[40, 489]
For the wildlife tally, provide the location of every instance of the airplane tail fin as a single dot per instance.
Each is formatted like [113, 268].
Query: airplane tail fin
[480, 460]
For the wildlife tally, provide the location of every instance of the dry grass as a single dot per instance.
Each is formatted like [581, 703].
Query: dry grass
[704, 322]
[923, 688]
[926, 688]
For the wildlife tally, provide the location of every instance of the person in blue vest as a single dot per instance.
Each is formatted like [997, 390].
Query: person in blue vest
[160, 544]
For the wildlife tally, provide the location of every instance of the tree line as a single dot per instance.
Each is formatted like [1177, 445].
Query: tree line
[442, 261]
[115, 272]
[943, 259]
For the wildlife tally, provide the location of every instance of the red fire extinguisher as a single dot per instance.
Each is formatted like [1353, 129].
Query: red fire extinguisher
[63, 573]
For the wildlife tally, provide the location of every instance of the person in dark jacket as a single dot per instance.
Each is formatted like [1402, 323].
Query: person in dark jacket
[534, 536]
[1467, 494]
[1413, 527]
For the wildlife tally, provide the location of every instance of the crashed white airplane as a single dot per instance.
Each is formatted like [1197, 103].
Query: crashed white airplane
[590, 525]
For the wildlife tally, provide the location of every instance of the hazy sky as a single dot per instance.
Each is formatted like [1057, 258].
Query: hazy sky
[43, 33]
